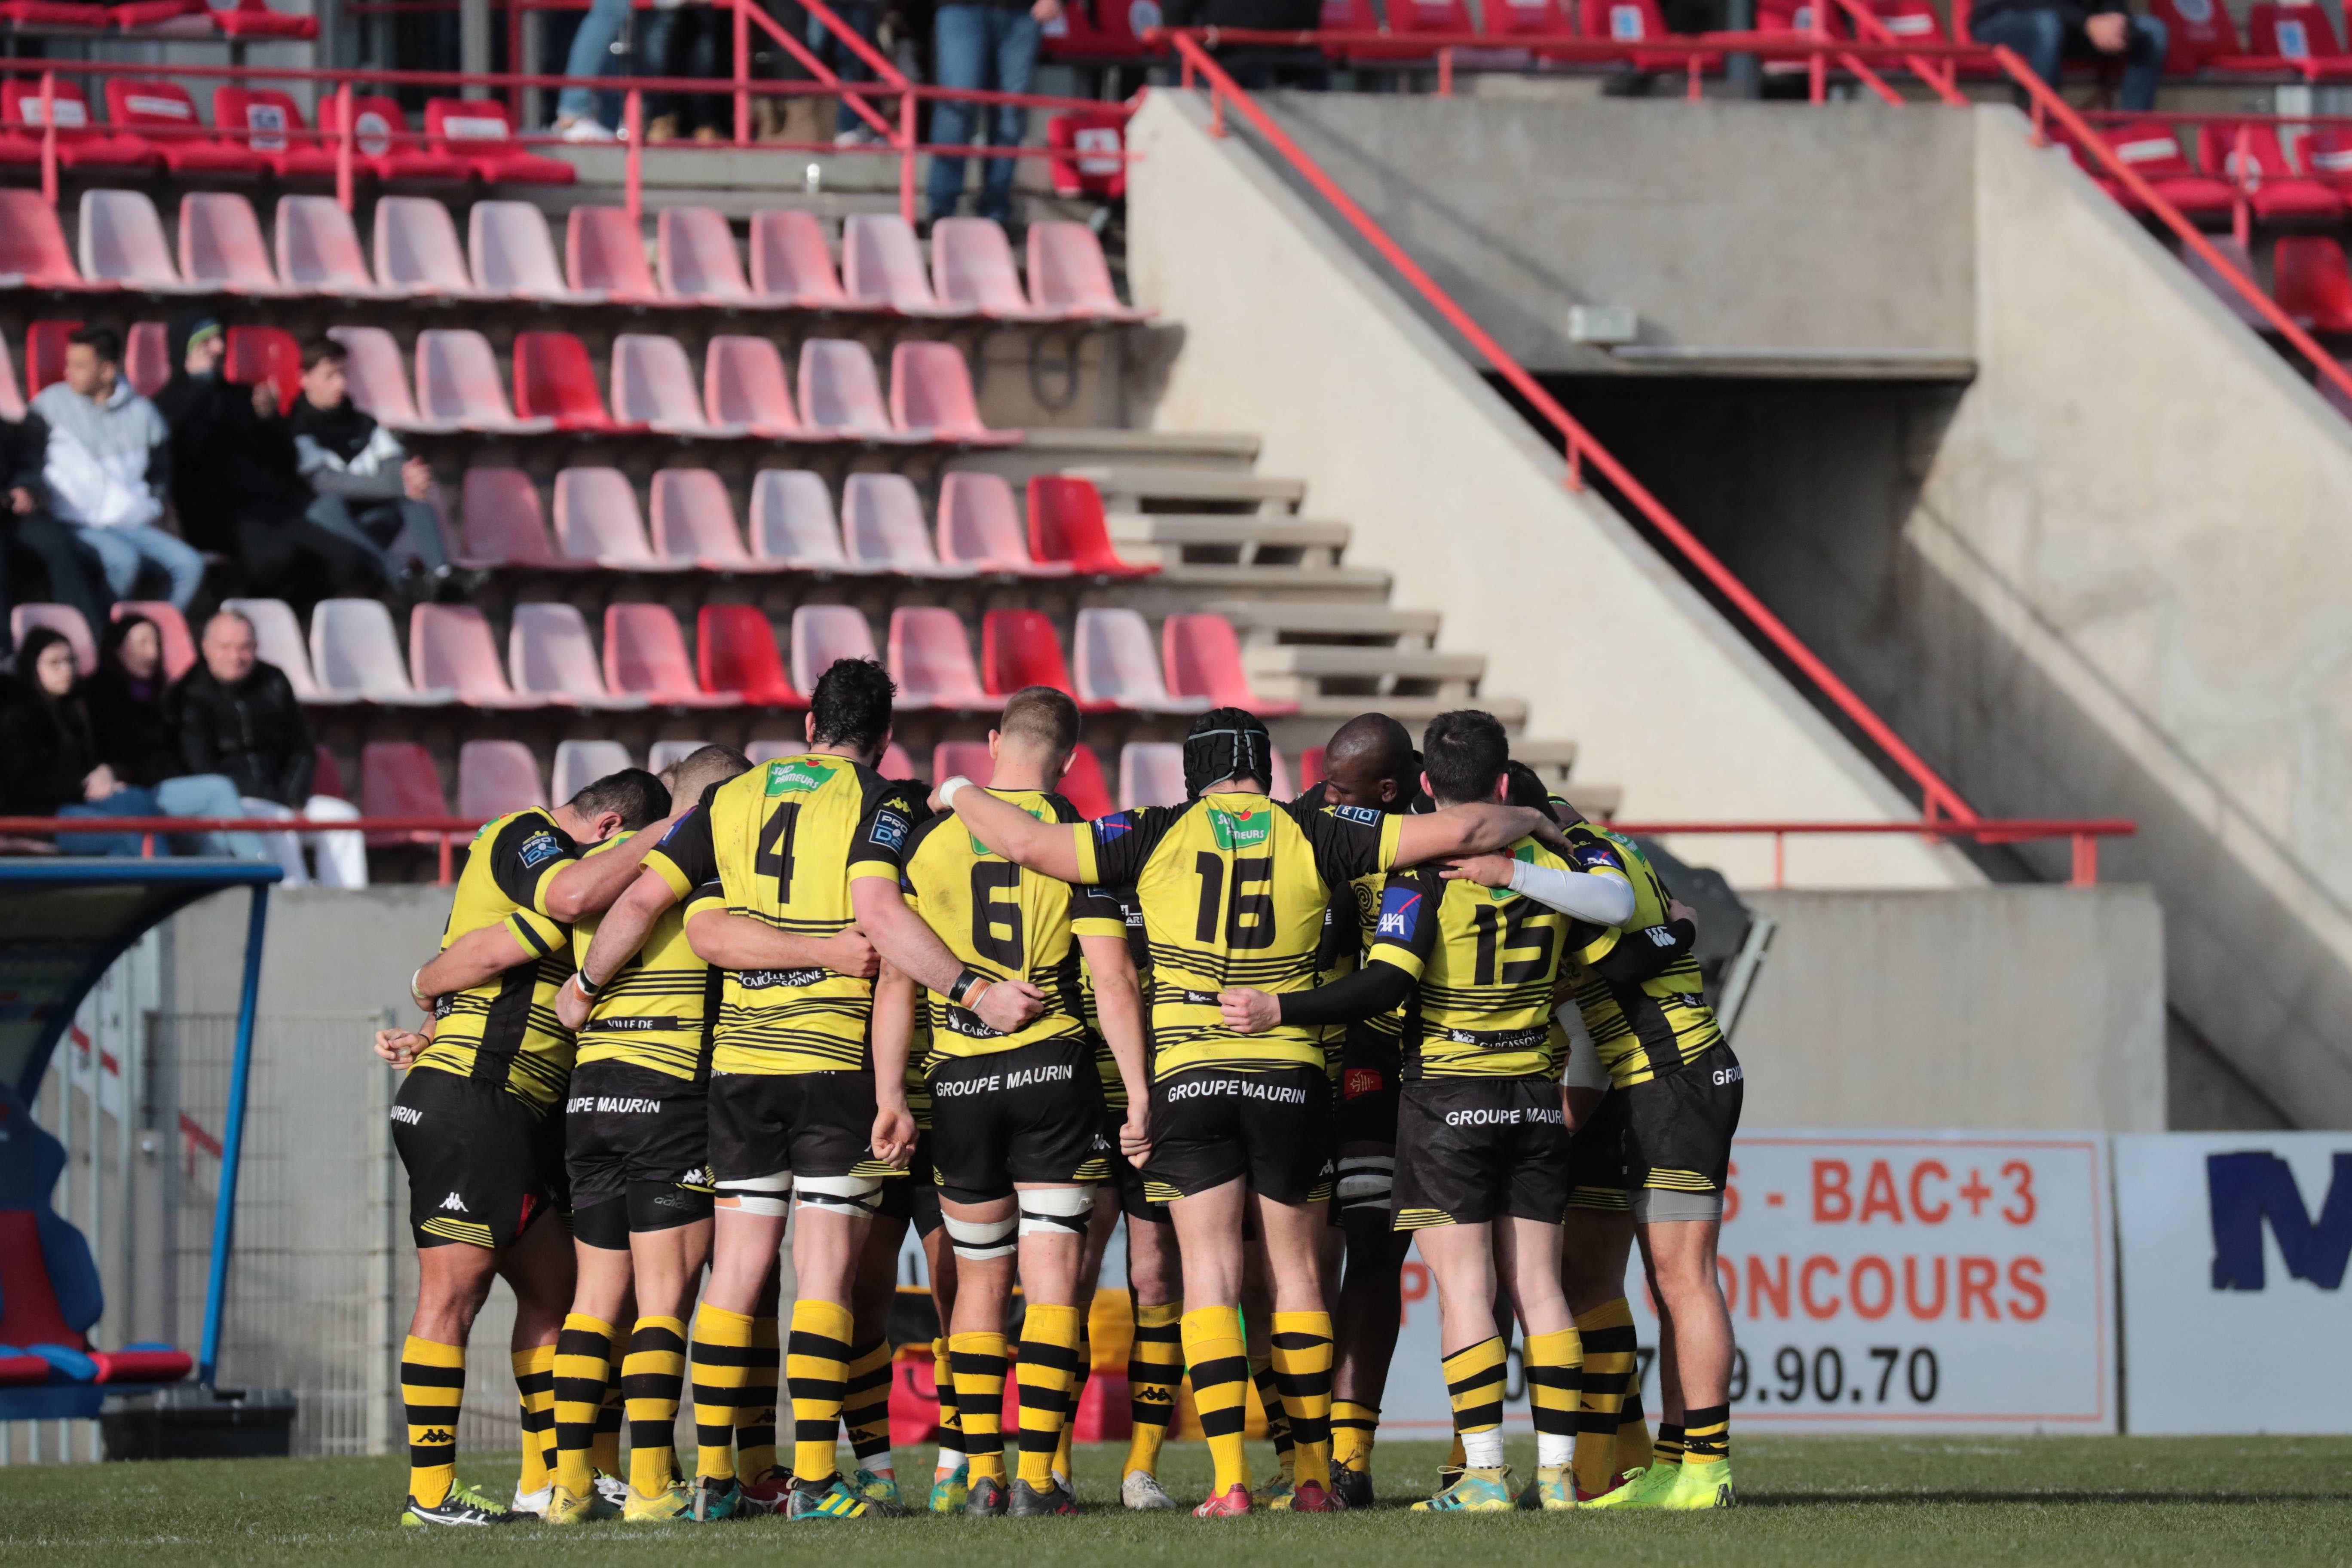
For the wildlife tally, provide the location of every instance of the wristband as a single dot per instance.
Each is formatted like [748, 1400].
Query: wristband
[948, 790]
[580, 978]
[415, 994]
[961, 992]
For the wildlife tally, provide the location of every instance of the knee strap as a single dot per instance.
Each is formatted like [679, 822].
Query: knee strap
[842, 1195]
[1365, 1181]
[1047, 1210]
[980, 1240]
[768, 1196]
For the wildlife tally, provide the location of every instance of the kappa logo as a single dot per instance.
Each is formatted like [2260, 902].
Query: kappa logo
[436, 1435]
[456, 1204]
[698, 1177]
[1152, 1394]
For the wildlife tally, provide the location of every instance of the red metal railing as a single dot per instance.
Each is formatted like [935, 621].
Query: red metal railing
[446, 831]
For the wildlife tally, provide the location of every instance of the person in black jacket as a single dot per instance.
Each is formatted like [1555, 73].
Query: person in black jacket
[26, 529]
[236, 482]
[1258, 65]
[2050, 32]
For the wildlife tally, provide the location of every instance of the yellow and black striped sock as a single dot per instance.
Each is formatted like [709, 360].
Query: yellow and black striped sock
[1278, 1419]
[584, 1356]
[653, 1376]
[865, 1406]
[722, 1357]
[1453, 1458]
[1633, 1432]
[604, 1450]
[755, 1407]
[951, 1423]
[1475, 1377]
[1062, 1462]
[1155, 1365]
[1668, 1448]
[979, 1364]
[534, 1375]
[432, 1388]
[1218, 1361]
[816, 1378]
[1555, 1375]
[1302, 1373]
[1048, 1363]
[1354, 1427]
[1707, 1436]
[1607, 1332]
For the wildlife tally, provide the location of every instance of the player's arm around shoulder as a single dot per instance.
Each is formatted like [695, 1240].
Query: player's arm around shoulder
[896, 997]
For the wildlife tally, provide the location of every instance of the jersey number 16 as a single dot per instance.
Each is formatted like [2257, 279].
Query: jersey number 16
[1249, 919]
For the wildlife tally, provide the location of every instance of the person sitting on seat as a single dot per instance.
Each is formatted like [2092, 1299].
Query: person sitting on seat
[2049, 32]
[368, 489]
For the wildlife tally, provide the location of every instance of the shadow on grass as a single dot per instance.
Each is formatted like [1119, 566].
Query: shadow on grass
[2110, 1499]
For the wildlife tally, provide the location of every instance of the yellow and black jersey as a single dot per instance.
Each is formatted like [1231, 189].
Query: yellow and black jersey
[1339, 955]
[505, 1031]
[1138, 954]
[1233, 890]
[1006, 922]
[1646, 1018]
[1486, 960]
[657, 1011]
[783, 842]
[918, 1071]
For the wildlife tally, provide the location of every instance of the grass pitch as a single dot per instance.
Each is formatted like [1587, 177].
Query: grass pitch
[1810, 1501]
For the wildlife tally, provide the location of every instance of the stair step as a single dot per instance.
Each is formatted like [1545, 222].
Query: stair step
[1368, 585]
[1235, 538]
[1137, 487]
[1412, 713]
[1377, 625]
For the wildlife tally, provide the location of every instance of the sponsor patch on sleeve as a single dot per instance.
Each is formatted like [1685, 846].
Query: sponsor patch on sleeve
[890, 829]
[1110, 830]
[1362, 813]
[1597, 858]
[539, 849]
[1399, 910]
[679, 826]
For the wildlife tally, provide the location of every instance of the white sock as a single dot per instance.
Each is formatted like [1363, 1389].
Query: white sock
[1554, 1450]
[950, 1459]
[879, 1465]
[1483, 1450]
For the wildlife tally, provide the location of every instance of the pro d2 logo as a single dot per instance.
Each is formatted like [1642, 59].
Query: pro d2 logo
[2248, 1189]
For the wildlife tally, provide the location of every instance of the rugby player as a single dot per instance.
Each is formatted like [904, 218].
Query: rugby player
[479, 1127]
[801, 849]
[1233, 889]
[1016, 1118]
[636, 1137]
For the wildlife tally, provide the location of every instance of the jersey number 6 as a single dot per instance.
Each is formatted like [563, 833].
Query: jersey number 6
[996, 912]
[1249, 920]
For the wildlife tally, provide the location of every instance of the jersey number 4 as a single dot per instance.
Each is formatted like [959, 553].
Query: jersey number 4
[775, 855]
[1249, 919]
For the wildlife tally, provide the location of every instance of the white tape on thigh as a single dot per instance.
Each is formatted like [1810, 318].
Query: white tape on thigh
[845, 1195]
[1046, 1210]
[768, 1196]
[980, 1240]
[1365, 1180]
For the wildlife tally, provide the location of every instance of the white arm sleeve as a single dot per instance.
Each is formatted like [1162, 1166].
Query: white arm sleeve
[1587, 895]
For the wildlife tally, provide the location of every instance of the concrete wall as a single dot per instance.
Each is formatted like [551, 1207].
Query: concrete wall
[1286, 334]
[1725, 224]
[1996, 1007]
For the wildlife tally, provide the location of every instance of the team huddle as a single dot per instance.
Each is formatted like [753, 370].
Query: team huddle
[1286, 1041]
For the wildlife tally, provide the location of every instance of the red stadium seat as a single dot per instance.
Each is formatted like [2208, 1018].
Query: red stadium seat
[397, 778]
[823, 633]
[2311, 282]
[694, 521]
[554, 379]
[967, 759]
[1066, 524]
[513, 256]
[654, 385]
[2299, 31]
[45, 353]
[980, 527]
[1118, 666]
[1406, 17]
[549, 652]
[1909, 21]
[931, 397]
[147, 357]
[882, 528]
[1151, 772]
[281, 643]
[450, 647]
[252, 19]
[2249, 155]
[1089, 160]
[495, 777]
[596, 519]
[1203, 660]
[695, 248]
[1528, 21]
[33, 248]
[605, 256]
[1084, 786]
[276, 133]
[457, 379]
[12, 391]
[221, 245]
[162, 114]
[417, 249]
[882, 267]
[1310, 768]
[505, 525]
[259, 355]
[379, 379]
[1018, 649]
[61, 618]
[356, 655]
[897, 764]
[838, 394]
[54, 14]
[972, 262]
[645, 656]
[477, 133]
[123, 243]
[2326, 156]
[2154, 155]
[744, 388]
[932, 660]
[318, 250]
[735, 651]
[2192, 41]
[1632, 22]
[790, 263]
[81, 142]
[792, 522]
[382, 147]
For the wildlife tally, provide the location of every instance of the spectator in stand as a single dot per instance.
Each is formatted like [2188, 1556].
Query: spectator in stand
[26, 529]
[690, 39]
[2049, 32]
[851, 128]
[368, 489]
[238, 716]
[593, 46]
[236, 481]
[1257, 65]
[125, 698]
[104, 459]
[982, 45]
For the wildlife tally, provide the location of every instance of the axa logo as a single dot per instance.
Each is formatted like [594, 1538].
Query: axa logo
[2247, 1191]
[454, 1203]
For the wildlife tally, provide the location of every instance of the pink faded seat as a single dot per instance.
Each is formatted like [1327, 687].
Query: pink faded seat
[790, 263]
[221, 246]
[397, 778]
[1118, 663]
[1151, 772]
[596, 519]
[147, 357]
[1204, 661]
[504, 524]
[882, 527]
[1083, 784]
[356, 654]
[695, 247]
[495, 777]
[972, 263]
[12, 391]
[930, 658]
[513, 256]
[839, 396]
[1068, 275]
[579, 763]
[33, 243]
[793, 522]
[980, 527]
[604, 254]
[744, 387]
[652, 385]
[823, 633]
[1021, 648]
[458, 380]
[965, 759]
[897, 764]
[645, 656]
[63, 619]
[170, 628]
[694, 521]
[417, 249]
[548, 653]
[378, 381]
[882, 267]
[123, 243]
[318, 250]
[278, 637]
[450, 647]
[931, 397]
